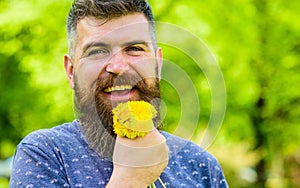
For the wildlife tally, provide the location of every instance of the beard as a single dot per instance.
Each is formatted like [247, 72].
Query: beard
[94, 109]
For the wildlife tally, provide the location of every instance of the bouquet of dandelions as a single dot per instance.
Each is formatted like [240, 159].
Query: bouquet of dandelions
[134, 119]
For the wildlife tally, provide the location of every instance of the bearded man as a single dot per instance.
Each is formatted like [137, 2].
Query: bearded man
[113, 58]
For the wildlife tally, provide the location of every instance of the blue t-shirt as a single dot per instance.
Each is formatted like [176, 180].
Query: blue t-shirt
[60, 157]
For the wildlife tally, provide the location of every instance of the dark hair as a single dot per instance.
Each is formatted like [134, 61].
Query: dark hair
[107, 9]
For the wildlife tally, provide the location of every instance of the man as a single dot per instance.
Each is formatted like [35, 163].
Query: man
[113, 58]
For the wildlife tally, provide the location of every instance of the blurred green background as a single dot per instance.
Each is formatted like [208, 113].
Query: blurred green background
[257, 45]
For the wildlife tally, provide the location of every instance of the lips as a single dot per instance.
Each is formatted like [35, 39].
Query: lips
[118, 88]
[120, 92]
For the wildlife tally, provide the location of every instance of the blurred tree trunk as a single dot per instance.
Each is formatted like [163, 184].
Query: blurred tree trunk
[261, 140]
[263, 69]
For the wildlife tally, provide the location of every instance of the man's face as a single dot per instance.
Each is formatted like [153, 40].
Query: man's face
[114, 62]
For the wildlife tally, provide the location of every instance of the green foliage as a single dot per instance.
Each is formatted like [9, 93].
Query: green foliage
[257, 44]
[4, 183]
[34, 91]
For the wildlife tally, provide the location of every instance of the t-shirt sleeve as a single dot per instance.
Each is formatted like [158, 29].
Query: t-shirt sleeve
[191, 166]
[204, 167]
[37, 163]
[216, 174]
[211, 173]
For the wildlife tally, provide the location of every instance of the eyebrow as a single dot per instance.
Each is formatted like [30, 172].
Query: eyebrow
[137, 42]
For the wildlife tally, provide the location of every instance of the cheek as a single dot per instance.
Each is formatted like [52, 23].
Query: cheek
[146, 68]
[87, 74]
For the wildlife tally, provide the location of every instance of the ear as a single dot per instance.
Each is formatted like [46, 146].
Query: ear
[159, 57]
[68, 64]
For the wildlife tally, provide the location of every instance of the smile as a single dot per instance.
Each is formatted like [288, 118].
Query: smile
[118, 88]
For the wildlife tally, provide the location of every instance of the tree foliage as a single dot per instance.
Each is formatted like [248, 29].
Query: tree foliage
[34, 93]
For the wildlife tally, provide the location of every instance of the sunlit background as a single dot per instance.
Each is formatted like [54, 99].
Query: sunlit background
[257, 46]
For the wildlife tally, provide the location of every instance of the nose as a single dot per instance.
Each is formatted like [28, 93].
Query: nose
[117, 64]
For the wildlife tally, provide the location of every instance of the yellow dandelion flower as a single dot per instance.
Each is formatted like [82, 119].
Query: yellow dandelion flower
[142, 110]
[133, 119]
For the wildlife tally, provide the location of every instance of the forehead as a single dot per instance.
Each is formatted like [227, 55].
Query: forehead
[118, 30]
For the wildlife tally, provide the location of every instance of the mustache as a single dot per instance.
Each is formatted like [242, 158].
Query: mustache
[147, 91]
[115, 80]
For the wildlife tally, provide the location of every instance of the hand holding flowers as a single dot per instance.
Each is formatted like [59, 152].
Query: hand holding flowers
[140, 153]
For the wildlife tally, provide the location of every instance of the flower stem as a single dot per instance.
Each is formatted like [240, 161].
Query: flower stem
[152, 185]
[161, 182]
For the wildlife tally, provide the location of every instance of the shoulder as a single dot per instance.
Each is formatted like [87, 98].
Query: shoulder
[191, 163]
[40, 157]
[58, 133]
[187, 148]
[60, 137]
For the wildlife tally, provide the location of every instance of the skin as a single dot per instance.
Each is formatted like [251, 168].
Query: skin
[132, 52]
[120, 46]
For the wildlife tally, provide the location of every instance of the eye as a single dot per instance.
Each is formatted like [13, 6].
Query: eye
[135, 50]
[97, 52]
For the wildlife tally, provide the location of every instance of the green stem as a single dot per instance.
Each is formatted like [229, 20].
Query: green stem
[161, 182]
[152, 185]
